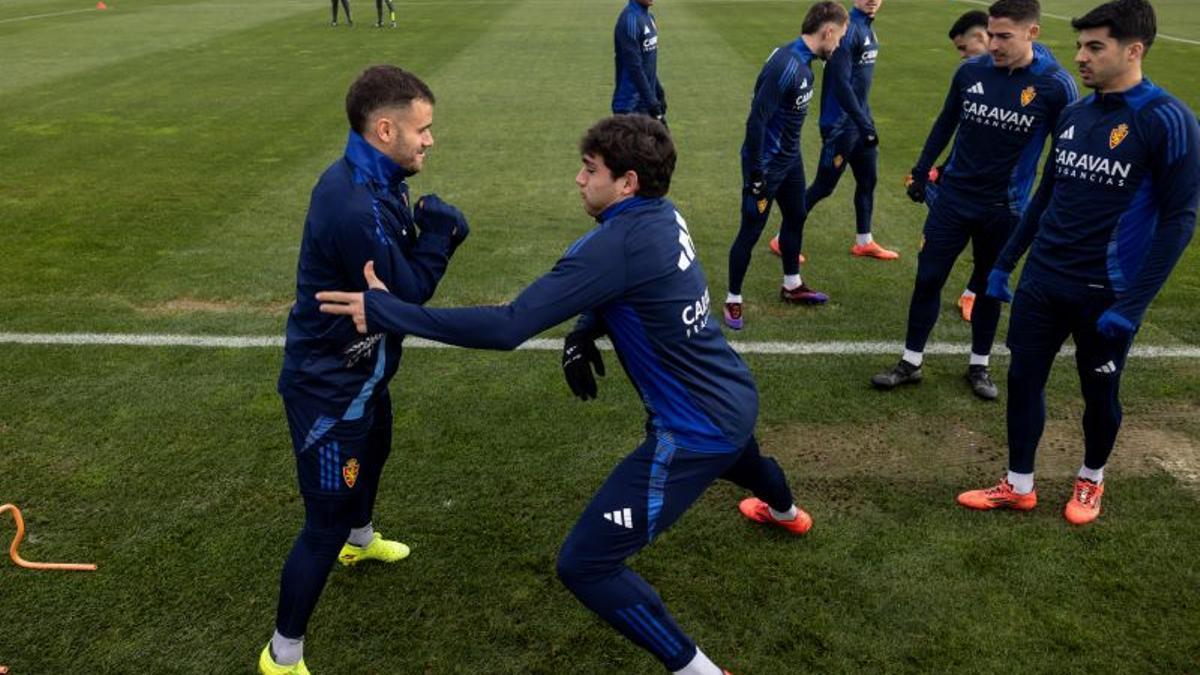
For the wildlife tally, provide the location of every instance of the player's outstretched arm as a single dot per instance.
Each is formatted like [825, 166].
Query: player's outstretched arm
[590, 275]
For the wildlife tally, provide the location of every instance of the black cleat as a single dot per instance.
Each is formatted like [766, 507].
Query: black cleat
[903, 373]
[981, 383]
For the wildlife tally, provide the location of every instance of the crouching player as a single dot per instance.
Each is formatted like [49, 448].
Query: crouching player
[1113, 214]
[635, 278]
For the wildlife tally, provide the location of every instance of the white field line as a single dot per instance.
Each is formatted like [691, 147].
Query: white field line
[1161, 36]
[46, 16]
[837, 348]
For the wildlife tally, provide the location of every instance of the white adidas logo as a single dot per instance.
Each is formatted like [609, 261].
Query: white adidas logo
[867, 42]
[804, 83]
[976, 89]
[645, 30]
[623, 517]
[1069, 134]
[1106, 369]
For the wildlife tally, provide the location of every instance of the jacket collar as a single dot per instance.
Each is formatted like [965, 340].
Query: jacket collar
[371, 164]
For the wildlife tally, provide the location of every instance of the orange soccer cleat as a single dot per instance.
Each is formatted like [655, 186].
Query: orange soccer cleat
[966, 303]
[774, 246]
[1084, 505]
[757, 510]
[1001, 496]
[872, 249]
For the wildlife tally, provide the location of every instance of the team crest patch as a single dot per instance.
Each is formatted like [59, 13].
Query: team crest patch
[762, 206]
[1027, 95]
[1117, 135]
[350, 472]
[837, 161]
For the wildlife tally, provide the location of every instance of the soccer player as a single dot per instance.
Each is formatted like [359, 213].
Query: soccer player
[635, 41]
[970, 38]
[848, 135]
[379, 13]
[345, 7]
[772, 169]
[1003, 105]
[334, 382]
[969, 34]
[1114, 212]
[634, 277]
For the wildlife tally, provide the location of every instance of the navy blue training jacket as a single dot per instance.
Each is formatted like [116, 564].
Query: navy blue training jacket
[636, 278]
[359, 211]
[1117, 203]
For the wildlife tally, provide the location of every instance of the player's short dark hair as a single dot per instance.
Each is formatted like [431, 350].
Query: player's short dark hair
[1019, 11]
[1127, 21]
[822, 13]
[382, 87]
[634, 143]
[976, 18]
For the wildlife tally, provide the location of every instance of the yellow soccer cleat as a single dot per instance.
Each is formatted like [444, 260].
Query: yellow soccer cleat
[379, 549]
[267, 665]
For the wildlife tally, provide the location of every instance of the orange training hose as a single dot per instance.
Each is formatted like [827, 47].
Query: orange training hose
[12, 550]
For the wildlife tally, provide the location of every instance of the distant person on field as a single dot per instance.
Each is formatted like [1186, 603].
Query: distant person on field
[848, 135]
[999, 110]
[334, 381]
[772, 169]
[634, 277]
[635, 42]
[379, 13]
[1113, 214]
[345, 8]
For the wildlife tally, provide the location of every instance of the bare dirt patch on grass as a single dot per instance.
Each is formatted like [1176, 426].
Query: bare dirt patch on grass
[179, 306]
[920, 448]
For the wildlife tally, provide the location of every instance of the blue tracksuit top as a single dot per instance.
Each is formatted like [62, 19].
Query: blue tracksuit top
[635, 42]
[781, 96]
[635, 277]
[359, 211]
[846, 84]
[1117, 203]
[1002, 119]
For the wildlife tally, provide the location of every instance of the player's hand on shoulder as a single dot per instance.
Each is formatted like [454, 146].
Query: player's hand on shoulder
[579, 356]
[432, 214]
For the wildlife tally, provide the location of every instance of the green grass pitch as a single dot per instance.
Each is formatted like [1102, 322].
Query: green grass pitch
[155, 164]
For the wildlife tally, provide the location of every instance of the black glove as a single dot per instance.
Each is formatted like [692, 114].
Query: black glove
[871, 140]
[434, 215]
[916, 185]
[757, 184]
[578, 357]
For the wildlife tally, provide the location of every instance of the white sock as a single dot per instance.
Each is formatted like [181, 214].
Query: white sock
[863, 239]
[1022, 482]
[791, 281]
[790, 514]
[700, 665]
[968, 293]
[286, 651]
[979, 359]
[733, 297]
[1094, 475]
[361, 536]
[915, 358]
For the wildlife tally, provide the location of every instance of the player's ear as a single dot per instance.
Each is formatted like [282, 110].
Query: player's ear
[632, 185]
[1034, 31]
